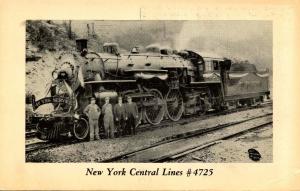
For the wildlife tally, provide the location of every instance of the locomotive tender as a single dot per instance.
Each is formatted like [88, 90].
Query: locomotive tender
[163, 84]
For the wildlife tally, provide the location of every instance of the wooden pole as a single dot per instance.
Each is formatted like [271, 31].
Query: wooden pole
[88, 29]
[70, 29]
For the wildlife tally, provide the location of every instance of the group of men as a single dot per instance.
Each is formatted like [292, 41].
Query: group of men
[122, 116]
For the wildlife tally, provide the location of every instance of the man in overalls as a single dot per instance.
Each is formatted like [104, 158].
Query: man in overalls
[120, 116]
[108, 120]
[93, 112]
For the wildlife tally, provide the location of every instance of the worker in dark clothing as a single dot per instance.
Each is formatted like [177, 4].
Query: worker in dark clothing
[108, 120]
[120, 116]
[93, 112]
[207, 104]
[133, 114]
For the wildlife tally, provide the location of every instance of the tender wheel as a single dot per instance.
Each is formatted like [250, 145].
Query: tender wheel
[174, 102]
[81, 129]
[154, 107]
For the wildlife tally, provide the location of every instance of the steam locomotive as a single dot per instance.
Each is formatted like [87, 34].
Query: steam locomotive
[163, 83]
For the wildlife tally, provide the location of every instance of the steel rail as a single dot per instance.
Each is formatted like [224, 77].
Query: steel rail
[186, 135]
[46, 145]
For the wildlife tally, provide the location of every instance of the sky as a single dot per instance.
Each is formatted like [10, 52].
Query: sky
[239, 39]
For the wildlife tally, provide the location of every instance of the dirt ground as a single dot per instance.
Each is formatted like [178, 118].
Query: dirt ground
[95, 151]
[235, 150]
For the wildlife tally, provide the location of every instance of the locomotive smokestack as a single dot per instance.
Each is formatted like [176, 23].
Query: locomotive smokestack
[81, 44]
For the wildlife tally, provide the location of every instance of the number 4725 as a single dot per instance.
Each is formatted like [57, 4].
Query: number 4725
[203, 172]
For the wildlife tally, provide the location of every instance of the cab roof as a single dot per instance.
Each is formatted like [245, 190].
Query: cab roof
[205, 55]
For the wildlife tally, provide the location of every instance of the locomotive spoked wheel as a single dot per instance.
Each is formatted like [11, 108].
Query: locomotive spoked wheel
[154, 107]
[174, 102]
[81, 129]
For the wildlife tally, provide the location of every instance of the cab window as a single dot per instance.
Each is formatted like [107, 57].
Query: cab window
[216, 65]
[208, 65]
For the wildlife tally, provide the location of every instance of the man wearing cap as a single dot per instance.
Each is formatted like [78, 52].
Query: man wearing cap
[93, 112]
[108, 120]
[132, 114]
[120, 116]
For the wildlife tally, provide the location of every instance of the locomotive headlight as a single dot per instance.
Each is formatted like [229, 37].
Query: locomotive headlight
[54, 75]
[76, 116]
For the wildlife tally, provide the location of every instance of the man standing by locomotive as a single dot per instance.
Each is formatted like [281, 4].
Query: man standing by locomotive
[120, 116]
[108, 120]
[93, 112]
[132, 114]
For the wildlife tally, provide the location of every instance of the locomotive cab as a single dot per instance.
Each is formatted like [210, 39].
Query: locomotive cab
[212, 65]
[197, 62]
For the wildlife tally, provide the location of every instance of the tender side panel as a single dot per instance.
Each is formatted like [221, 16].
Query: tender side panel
[246, 85]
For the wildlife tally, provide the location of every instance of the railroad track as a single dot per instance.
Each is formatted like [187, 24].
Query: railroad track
[183, 144]
[46, 145]
[30, 134]
[37, 146]
[30, 130]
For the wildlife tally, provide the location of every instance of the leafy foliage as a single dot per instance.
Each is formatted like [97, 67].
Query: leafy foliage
[46, 35]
